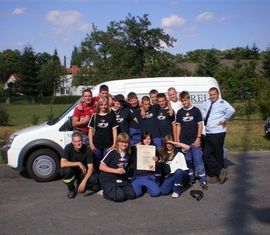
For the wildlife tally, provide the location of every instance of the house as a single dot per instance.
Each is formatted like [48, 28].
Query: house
[12, 79]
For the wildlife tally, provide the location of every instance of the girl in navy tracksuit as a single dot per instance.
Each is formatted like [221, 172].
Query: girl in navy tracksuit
[173, 182]
[143, 180]
[113, 172]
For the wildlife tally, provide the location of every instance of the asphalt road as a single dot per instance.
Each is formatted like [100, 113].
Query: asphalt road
[240, 206]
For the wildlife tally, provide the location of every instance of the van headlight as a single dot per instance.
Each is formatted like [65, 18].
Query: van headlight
[11, 138]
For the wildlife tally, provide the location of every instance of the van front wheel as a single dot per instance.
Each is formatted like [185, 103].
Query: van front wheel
[43, 165]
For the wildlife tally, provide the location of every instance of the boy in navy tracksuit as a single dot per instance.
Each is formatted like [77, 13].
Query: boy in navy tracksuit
[134, 109]
[165, 116]
[148, 121]
[189, 125]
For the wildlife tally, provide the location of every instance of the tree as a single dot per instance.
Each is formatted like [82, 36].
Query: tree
[208, 65]
[266, 64]
[29, 84]
[9, 61]
[122, 51]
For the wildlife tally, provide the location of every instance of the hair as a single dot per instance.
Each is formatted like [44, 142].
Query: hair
[161, 95]
[86, 90]
[145, 98]
[103, 88]
[146, 134]
[184, 94]
[100, 101]
[153, 91]
[132, 95]
[165, 156]
[214, 89]
[171, 89]
[77, 134]
[122, 137]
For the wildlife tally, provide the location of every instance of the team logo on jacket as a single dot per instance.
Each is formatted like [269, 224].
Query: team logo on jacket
[148, 115]
[119, 118]
[122, 162]
[161, 117]
[103, 124]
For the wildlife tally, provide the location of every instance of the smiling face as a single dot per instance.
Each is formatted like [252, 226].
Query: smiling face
[77, 142]
[213, 94]
[145, 105]
[186, 102]
[87, 97]
[122, 146]
[172, 95]
[147, 140]
[162, 102]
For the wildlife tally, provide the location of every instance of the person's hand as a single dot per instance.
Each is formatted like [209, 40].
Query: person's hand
[223, 124]
[120, 171]
[170, 112]
[155, 158]
[82, 167]
[197, 143]
[85, 119]
[81, 187]
[93, 147]
[151, 167]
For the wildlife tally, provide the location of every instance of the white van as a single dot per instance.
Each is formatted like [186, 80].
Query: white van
[197, 86]
[38, 149]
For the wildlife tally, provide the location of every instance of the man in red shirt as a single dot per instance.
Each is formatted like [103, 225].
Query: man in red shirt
[83, 113]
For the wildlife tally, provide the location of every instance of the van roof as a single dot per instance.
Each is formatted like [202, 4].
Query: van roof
[142, 85]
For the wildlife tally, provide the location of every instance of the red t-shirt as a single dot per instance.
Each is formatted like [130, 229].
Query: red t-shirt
[84, 110]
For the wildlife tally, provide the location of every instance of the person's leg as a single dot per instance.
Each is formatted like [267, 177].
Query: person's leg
[93, 182]
[137, 184]
[190, 165]
[152, 186]
[111, 191]
[129, 191]
[198, 163]
[68, 175]
[211, 165]
[167, 185]
[178, 181]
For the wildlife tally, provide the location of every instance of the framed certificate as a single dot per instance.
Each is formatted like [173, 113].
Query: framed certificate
[145, 154]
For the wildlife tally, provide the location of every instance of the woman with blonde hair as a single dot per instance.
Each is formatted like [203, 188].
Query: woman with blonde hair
[102, 130]
[113, 172]
[173, 181]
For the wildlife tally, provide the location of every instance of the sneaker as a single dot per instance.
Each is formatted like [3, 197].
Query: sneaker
[71, 194]
[204, 186]
[222, 175]
[213, 180]
[175, 195]
[100, 193]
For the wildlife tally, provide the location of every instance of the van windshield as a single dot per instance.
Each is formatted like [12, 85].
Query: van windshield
[55, 120]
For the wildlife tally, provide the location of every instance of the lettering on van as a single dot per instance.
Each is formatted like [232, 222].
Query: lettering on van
[198, 97]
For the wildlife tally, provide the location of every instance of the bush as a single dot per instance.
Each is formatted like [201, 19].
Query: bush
[3, 118]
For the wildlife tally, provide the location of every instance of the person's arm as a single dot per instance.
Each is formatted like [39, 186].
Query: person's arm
[114, 133]
[197, 142]
[185, 147]
[177, 132]
[228, 113]
[90, 137]
[65, 163]
[80, 121]
[88, 174]
[103, 167]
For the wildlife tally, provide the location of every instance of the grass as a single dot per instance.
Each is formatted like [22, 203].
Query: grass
[243, 134]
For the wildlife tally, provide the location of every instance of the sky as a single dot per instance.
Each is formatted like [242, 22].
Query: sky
[47, 25]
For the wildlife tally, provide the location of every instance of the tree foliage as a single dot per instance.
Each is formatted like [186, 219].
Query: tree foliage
[126, 49]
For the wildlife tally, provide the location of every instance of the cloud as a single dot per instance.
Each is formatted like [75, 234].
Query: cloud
[67, 22]
[173, 21]
[19, 11]
[205, 16]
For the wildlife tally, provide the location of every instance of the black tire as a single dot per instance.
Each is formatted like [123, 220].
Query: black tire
[42, 165]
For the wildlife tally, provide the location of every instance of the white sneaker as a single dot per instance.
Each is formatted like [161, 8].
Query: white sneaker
[175, 195]
[100, 193]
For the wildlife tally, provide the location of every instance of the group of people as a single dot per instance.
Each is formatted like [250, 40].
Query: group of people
[102, 155]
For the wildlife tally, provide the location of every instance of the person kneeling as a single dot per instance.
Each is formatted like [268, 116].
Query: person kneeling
[77, 167]
[173, 180]
[113, 172]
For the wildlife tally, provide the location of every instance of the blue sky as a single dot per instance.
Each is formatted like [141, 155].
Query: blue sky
[196, 24]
